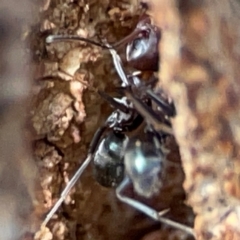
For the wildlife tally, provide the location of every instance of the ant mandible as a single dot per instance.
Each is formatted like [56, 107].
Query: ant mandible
[111, 149]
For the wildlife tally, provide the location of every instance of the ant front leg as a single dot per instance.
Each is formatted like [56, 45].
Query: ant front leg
[163, 104]
[118, 65]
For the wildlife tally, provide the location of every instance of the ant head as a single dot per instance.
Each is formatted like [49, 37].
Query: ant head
[142, 51]
[142, 46]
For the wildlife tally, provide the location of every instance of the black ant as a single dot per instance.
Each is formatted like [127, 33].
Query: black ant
[120, 155]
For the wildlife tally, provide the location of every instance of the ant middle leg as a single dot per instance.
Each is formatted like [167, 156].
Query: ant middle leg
[149, 114]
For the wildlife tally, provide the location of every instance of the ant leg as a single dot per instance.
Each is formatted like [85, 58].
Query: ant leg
[114, 102]
[71, 183]
[148, 113]
[116, 58]
[137, 83]
[169, 109]
[134, 74]
[155, 215]
[60, 38]
[128, 38]
[135, 204]
[118, 65]
[91, 88]
[152, 82]
[61, 72]
[66, 190]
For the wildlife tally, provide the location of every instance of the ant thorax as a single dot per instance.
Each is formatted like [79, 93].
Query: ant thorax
[120, 118]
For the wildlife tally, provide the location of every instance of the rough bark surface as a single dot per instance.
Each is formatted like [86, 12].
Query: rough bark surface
[17, 171]
[65, 114]
[199, 70]
[200, 52]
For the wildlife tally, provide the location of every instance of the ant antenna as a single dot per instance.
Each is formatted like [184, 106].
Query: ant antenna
[59, 38]
[127, 39]
[116, 59]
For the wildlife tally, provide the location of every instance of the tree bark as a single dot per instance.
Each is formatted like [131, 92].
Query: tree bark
[200, 52]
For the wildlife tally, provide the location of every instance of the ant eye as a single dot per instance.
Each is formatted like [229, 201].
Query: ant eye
[136, 43]
[136, 49]
[146, 33]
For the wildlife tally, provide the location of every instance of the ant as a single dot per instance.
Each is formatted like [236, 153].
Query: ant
[119, 153]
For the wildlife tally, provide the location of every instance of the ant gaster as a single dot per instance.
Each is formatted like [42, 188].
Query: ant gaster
[119, 159]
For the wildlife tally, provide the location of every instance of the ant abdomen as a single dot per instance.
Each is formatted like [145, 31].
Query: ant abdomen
[144, 163]
[109, 160]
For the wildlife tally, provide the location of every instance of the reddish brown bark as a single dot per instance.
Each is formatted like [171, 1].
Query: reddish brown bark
[200, 52]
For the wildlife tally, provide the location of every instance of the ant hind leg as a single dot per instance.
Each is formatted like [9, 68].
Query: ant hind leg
[152, 213]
